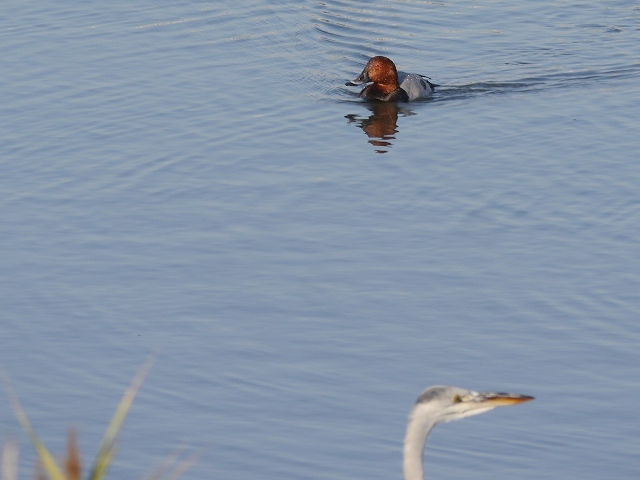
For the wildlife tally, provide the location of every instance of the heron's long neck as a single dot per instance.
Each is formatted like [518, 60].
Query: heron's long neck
[420, 424]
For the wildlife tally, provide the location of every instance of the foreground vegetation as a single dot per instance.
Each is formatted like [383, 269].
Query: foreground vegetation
[71, 466]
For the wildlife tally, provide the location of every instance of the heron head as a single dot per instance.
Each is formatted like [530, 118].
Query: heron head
[452, 403]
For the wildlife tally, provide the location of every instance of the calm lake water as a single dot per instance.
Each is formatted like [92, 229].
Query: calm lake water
[193, 180]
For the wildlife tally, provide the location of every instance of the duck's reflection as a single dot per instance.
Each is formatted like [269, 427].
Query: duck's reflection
[382, 125]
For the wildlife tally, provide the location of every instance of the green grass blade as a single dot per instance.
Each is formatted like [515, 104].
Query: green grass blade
[106, 450]
[48, 463]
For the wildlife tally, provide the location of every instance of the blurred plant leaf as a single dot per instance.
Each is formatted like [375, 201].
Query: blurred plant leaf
[72, 463]
[178, 467]
[106, 451]
[49, 465]
[10, 460]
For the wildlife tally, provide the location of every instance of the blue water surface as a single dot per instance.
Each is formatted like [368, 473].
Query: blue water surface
[194, 181]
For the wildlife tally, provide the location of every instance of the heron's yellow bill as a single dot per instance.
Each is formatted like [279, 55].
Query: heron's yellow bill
[499, 399]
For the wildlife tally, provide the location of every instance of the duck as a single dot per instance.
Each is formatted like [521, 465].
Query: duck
[388, 85]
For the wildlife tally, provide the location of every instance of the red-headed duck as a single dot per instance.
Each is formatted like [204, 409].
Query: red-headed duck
[389, 85]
